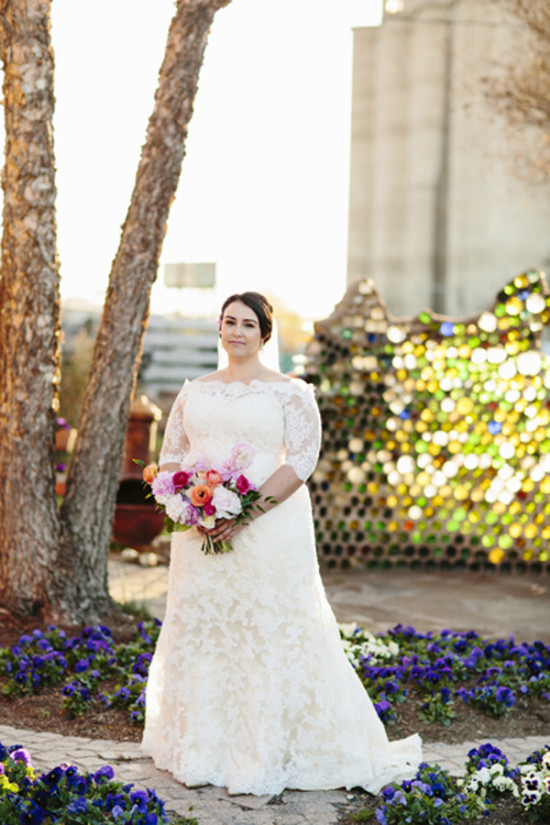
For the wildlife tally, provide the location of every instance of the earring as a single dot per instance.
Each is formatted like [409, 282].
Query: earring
[261, 345]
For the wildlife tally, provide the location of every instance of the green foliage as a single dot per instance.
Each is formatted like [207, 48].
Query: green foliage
[436, 709]
[364, 815]
[137, 611]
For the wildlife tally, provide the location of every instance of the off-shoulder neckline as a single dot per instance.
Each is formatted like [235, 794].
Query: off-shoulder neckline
[217, 381]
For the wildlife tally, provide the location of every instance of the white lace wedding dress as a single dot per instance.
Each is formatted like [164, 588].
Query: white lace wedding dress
[249, 687]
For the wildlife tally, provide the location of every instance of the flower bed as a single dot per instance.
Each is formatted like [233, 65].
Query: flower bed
[434, 797]
[66, 795]
[89, 667]
[434, 671]
[431, 673]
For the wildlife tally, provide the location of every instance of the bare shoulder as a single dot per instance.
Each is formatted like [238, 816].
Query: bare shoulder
[219, 375]
[272, 376]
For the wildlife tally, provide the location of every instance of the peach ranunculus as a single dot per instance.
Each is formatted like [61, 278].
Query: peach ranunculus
[200, 494]
[150, 472]
[213, 478]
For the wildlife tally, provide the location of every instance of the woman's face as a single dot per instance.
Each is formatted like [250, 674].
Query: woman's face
[240, 330]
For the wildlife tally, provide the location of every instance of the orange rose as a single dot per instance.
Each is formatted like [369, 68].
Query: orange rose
[213, 478]
[200, 494]
[150, 472]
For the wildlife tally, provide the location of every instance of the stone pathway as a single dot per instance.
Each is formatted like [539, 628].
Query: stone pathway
[214, 806]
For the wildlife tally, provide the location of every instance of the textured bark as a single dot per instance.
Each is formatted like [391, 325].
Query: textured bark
[29, 313]
[88, 507]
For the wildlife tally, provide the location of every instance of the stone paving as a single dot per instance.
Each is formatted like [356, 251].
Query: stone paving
[214, 806]
[491, 604]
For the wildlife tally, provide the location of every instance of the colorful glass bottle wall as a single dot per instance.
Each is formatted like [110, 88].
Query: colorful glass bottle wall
[436, 434]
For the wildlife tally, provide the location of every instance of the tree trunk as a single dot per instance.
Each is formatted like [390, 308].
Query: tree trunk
[88, 507]
[29, 314]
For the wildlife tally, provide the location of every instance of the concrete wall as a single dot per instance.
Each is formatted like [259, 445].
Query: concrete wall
[441, 214]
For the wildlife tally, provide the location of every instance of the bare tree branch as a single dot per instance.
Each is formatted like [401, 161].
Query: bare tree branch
[522, 93]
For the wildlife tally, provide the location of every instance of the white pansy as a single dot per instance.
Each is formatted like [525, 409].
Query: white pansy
[359, 643]
[485, 779]
[484, 776]
[347, 629]
[504, 783]
[534, 797]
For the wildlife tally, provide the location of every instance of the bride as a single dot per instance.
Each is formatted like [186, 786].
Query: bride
[249, 687]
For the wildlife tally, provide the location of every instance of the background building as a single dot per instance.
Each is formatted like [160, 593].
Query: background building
[442, 214]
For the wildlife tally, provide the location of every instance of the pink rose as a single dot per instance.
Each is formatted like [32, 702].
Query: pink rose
[213, 478]
[180, 480]
[243, 485]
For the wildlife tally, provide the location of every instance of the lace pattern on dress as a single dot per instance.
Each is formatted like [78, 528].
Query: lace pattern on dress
[249, 686]
[175, 444]
[302, 422]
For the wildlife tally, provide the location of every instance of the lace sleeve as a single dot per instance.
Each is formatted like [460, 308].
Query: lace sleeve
[302, 430]
[176, 443]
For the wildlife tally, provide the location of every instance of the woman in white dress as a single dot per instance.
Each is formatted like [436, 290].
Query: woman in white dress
[249, 687]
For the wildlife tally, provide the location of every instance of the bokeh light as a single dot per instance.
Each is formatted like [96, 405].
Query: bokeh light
[436, 434]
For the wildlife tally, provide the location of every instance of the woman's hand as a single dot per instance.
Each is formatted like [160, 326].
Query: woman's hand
[223, 530]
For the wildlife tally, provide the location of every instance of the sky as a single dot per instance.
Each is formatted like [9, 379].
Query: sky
[264, 184]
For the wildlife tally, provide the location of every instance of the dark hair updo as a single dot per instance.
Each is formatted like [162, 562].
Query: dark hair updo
[259, 305]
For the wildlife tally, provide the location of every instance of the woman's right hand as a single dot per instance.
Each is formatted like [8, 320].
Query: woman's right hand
[223, 530]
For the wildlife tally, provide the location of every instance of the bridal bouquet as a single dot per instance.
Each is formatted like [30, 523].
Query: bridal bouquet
[199, 494]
